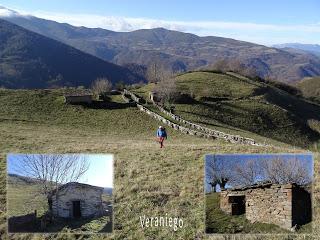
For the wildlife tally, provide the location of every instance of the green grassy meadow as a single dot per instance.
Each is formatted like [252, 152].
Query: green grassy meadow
[24, 198]
[310, 88]
[148, 180]
[238, 105]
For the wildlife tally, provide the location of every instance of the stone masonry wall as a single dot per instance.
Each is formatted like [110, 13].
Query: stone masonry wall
[173, 125]
[193, 129]
[90, 201]
[272, 204]
[133, 96]
[217, 134]
[224, 201]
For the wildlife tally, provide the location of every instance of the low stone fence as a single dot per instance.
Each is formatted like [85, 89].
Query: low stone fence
[127, 100]
[174, 125]
[205, 132]
[20, 223]
[133, 96]
[217, 134]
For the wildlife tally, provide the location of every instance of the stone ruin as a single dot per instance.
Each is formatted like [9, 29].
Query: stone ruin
[192, 128]
[283, 205]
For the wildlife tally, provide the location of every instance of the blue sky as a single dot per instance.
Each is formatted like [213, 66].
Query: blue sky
[271, 11]
[306, 160]
[100, 172]
[265, 22]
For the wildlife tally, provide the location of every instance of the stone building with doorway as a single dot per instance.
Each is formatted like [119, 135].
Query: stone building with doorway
[76, 200]
[283, 205]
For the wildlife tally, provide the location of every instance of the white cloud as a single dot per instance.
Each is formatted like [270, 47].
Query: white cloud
[7, 13]
[261, 33]
[4, 12]
[130, 24]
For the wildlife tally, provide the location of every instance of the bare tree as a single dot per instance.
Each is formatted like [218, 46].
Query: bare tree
[157, 72]
[217, 173]
[166, 89]
[51, 170]
[283, 171]
[277, 170]
[101, 86]
[246, 173]
[153, 73]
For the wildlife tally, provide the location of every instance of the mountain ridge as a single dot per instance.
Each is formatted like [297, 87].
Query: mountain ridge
[176, 51]
[311, 48]
[31, 60]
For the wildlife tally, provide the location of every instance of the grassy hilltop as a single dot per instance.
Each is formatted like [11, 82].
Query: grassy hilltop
[148, 180]
[310, 88]
[235, 104]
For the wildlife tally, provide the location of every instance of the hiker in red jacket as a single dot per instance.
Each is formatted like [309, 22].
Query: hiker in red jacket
[161, 135]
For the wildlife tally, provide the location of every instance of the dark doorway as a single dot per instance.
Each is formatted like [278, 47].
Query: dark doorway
[76, 209]
[50, 204]
[238, 205]
[301, 206]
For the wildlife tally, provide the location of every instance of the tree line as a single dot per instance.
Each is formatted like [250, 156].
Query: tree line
[277, 170]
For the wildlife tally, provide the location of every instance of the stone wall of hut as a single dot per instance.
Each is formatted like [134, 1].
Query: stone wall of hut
[268, 204]
[90, 201]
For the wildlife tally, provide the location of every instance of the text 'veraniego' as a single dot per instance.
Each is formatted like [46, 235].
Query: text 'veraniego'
[161, 221]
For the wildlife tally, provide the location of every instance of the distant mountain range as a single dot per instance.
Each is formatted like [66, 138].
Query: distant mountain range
[18, 179]
[175, 50]
[311, 48]
[31, 60]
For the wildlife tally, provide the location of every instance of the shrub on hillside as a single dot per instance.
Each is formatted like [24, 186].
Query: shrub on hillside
[101, 87]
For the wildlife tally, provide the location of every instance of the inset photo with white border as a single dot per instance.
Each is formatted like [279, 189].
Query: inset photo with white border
[258, 193]
[50, 193]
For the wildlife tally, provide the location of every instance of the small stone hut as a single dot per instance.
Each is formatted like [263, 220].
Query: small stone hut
[78, 98]
[283, 205]
[75, 200]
